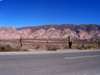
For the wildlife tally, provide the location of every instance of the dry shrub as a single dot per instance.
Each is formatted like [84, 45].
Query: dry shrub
[8, 48]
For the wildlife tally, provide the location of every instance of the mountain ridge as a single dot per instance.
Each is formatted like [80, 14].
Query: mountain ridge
[81, 32]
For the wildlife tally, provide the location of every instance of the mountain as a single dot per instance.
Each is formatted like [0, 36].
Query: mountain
[63, 31]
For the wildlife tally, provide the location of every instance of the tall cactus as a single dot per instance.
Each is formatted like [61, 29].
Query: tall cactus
[20, 42]
[98, 43]
[69, 42]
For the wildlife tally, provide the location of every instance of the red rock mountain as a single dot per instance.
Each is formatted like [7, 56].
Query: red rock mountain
[52, 32]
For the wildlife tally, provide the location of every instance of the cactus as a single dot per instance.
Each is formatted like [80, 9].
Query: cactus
[69, 42]
[20, 42]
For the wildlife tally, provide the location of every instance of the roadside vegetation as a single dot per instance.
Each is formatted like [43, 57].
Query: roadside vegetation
[8, 48]
[25, 45]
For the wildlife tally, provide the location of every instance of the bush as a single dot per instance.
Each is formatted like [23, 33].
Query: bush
[87, 46]
[51, 48]
[7, 48]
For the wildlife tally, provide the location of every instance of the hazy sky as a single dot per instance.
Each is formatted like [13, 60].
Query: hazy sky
[35, 12]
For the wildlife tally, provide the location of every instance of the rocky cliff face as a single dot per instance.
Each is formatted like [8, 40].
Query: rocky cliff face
[52, 32]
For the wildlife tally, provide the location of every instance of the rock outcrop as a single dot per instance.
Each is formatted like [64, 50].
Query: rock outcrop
[52, 32]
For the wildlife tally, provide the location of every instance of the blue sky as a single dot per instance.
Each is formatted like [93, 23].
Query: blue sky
[20, 13]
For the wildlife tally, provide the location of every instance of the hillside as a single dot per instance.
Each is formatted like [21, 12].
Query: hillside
[52, 32]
